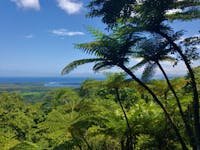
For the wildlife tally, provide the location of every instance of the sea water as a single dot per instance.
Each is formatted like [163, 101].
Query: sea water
[46, 81]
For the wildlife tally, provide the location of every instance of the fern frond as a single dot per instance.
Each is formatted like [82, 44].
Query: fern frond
[185, 3]
[101, 66]
[184, 16]
[90, 48]
[95, 32]
[77, 63]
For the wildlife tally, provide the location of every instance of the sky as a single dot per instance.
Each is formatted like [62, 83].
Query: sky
[37, 37]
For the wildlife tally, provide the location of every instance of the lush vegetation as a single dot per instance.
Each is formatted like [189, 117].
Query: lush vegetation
[99, 115]
[138, 113]
[141, 28]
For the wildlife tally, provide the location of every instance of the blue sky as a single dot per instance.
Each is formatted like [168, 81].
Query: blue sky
[37, 36]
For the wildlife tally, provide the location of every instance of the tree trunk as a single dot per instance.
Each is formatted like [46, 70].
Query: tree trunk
[122, 144]
[184, 118]
[184, 147]
[126, 118]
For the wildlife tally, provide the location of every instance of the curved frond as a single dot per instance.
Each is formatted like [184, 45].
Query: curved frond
[102, 66]
[98, 48]
[77, 63]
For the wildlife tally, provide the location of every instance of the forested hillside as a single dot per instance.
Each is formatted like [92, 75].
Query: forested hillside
[100, 115]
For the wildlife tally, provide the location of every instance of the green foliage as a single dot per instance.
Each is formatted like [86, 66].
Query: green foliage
[65, 120]
[119, 9]
[109, 50]
[152, 17]
[101, 114]
[197, 77]
[74, 64]
[25, 146]
[31, 92]
[14, 122]
[149, 13]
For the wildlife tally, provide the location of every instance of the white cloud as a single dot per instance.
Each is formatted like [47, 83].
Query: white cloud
[29, 36]
[64, 32]
[27, 4]
[70, 6]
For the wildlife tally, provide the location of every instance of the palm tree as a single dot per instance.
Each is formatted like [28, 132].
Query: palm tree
[194, 87]
[114, 51]
[151, 16]
[150, 21]
[152, 52]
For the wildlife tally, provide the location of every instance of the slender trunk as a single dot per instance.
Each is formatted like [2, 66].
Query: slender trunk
[122, 144]
[184, 147]
[194, 87]
[186, 123]
[126, 118]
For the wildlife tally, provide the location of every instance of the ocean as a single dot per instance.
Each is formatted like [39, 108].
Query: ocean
[46, 81]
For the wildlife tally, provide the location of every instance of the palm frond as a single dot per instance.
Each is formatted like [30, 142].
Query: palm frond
[124, 30]
[184, 4]
[98, 48]
[77, 63]
[95, 32]
[184, 16]
[102, 66]
[91, 47]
